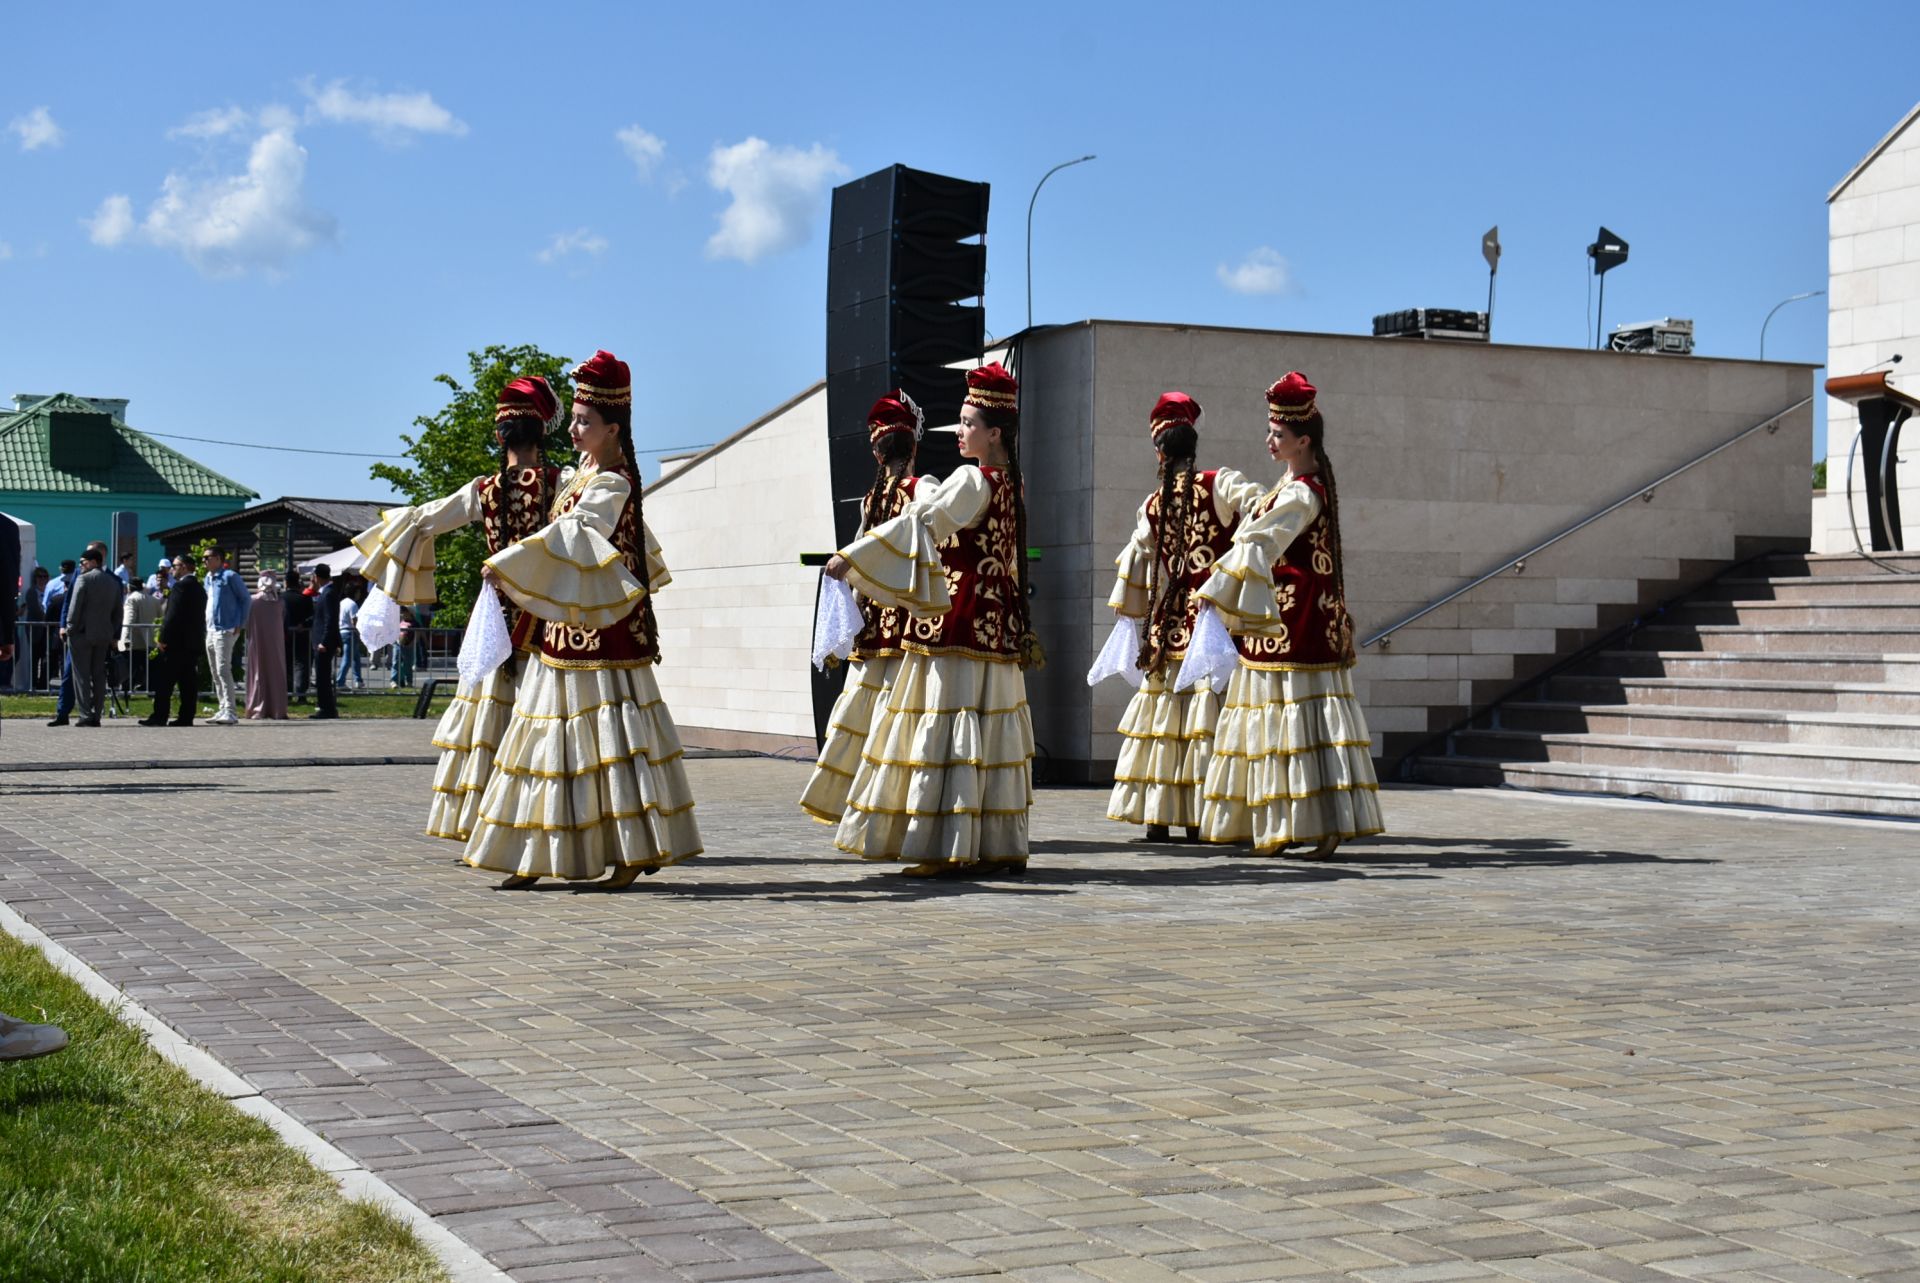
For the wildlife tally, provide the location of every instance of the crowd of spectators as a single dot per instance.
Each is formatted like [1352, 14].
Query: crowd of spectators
[99, 637]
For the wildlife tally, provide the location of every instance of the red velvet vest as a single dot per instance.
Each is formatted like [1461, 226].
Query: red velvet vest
[1315, 630]
[983, 579]
[1190, 558]
[510, 510]
[885, 624]
[631, 642]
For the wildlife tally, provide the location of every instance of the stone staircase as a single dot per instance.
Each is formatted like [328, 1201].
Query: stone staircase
[1793, 682]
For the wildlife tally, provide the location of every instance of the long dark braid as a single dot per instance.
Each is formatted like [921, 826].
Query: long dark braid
[894, 453]
[621, 416]
[1315, 429]
[1032, 654]
[518, 434]
[1167, 593]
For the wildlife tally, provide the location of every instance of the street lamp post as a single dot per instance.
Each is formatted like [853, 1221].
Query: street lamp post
[1776, 307]
[1036, 196]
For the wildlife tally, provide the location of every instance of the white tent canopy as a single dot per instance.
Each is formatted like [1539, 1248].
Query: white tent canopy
[338, 562]
[29, 548]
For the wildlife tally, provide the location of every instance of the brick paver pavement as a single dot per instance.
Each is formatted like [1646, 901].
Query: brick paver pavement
[1518, 1038]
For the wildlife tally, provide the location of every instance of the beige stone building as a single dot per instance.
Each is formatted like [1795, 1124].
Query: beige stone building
[1451, 458]
[1873, 313]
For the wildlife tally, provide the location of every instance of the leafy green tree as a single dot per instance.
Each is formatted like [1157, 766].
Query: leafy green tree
[457, 444]
[1820, 475]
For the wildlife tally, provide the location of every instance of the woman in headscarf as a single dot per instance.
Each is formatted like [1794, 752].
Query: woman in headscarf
[267, 653]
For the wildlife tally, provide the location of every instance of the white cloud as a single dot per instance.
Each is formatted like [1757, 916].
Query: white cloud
[215, 122]
[1262, 272]
[776, 194]
[392, 117]
[645, 150]
[227, 226]
[6, 251]
[112, 223]
[579, 241]
[36, 130]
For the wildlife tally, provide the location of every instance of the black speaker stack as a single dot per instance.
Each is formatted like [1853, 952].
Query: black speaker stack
[906, 247]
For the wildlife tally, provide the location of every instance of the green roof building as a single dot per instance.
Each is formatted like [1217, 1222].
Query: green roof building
[68, 463]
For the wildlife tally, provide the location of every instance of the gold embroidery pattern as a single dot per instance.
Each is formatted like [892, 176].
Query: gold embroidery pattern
[1322, 558]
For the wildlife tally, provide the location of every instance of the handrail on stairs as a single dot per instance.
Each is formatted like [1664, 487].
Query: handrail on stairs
[1770, 424]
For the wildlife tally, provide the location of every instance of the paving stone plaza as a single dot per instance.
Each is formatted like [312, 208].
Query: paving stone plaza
[1518, 1037]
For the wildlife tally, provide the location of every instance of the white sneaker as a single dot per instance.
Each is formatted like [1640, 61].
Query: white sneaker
[223, 719]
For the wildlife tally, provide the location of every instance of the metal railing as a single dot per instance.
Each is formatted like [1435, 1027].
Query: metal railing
[1887, 459]
[39, 655]
[1770, 425]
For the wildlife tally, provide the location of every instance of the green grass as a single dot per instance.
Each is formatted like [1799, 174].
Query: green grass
[115, 1167]
[352, 704]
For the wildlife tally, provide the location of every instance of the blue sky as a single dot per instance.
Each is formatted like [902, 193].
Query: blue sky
[275, 224]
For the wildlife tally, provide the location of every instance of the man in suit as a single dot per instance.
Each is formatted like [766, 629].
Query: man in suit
[93, 625]
[59, 597]
[183, 634]
[299, 638]
[326, 640]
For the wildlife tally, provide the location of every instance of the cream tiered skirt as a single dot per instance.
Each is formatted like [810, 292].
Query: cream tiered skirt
[868, 680]
[946, 776]
[468, 733]
[1291, 762]
[589, 775]
[1166, 746]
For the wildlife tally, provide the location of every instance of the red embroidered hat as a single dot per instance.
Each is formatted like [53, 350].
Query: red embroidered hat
[603, 380]
[894, 412]
[991, 388]
[526, 398]
[1291, 399]
[1173, 409]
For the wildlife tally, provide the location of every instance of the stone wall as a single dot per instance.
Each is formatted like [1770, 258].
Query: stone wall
[1873, 312]
[1450, 458]
[736, 623]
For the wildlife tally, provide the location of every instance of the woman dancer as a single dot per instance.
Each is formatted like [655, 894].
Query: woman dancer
[894, 427]
[509, 505]
[1291, 757]
[1183, 528]
[945, 782]
[590, 774]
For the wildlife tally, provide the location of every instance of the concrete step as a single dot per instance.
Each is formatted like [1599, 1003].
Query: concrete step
[1841, 563]
[1785, 792]
[1712, 692]
[1785, 639]
[1825, 762]
[1879, 588]
[1743, 726]
[1831, 667]
[1851, 615]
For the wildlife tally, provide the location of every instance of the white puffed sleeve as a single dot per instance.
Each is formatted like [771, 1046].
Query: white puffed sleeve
[569, 572]
[1234, 495]
[399, 550]
[1133, 569]
[897, 563]
[1241, 586]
